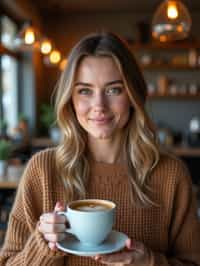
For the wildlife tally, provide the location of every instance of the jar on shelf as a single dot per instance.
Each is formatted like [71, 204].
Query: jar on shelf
[183, 89]
[192, 58]
[193, 89]
[162, 85]
[151, 88]
[173, 89]
[146, 59]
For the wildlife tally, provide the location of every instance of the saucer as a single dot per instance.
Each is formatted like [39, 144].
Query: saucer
[114, 242]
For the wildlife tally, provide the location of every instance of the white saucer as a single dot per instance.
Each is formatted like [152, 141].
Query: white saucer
[114, 242]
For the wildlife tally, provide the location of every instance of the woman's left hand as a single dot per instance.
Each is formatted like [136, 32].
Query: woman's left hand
[135, 254]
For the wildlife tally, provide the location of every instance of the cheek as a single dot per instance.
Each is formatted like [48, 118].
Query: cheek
[81, 108]
[122, 106]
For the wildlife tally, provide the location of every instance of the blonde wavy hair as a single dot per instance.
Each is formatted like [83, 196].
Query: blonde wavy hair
[140, 151]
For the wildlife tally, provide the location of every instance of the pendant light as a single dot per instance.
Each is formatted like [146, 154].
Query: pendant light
[29, 36]
[55, 57]
[171, 21]
[45, 46]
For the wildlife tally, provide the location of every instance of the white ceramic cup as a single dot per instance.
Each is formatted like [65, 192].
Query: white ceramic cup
[91, 220]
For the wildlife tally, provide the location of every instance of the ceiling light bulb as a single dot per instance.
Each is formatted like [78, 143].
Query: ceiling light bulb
[29, 36]
[46, 47]
[172, 11]
[55, 57]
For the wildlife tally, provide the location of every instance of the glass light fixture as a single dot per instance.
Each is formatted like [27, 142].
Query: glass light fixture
[55, 57]
[171, 21]
[28, 36]
[45, 46]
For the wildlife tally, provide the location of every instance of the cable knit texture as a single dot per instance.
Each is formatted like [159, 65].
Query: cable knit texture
[171, 230]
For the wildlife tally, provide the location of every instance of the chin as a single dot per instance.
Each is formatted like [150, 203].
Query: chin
[102, 135]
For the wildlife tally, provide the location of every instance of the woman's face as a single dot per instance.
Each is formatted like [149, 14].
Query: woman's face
[99, 97]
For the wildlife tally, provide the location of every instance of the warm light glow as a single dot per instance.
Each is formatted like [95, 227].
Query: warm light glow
[29, 36]
[46, 47]
[163, 38]
[63, 64]
[172, 11]
[55, 57]
[179, 28]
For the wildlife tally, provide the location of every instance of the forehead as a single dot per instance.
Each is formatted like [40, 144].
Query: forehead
[92, 67]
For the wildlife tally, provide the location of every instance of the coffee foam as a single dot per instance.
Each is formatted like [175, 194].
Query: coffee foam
[92, 207]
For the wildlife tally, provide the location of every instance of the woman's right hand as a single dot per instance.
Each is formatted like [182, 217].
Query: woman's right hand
[53, 226]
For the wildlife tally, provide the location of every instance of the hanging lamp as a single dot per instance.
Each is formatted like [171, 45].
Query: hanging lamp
[171, 21]
[45, 46]
[29, 36]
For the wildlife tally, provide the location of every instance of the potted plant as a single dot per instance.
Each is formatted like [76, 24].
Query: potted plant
[3, 128]
[48, 120]
[20, 133]
[5, 151]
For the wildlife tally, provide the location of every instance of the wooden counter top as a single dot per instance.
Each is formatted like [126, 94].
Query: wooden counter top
[4, 184]
[186, 151]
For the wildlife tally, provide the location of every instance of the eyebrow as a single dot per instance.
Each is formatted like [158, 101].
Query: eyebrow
[108, 83]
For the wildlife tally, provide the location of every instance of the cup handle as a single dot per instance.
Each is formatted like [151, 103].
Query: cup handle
[67, 230]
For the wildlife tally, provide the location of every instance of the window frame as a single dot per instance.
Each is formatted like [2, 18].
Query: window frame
[14, 54]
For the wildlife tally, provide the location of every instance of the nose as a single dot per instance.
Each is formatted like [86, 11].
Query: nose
[99, 102]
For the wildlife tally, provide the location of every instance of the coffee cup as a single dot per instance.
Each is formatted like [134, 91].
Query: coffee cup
[91, 220]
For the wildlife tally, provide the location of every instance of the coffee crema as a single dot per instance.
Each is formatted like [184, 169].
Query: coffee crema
[91, 206]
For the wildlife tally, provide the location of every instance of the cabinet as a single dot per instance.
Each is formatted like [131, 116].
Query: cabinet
[171, 70]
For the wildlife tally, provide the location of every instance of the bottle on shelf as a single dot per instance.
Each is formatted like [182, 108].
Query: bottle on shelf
[192, 57]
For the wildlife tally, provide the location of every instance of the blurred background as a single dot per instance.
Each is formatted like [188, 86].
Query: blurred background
[36, 38]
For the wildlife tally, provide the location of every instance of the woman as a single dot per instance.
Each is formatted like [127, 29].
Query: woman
[108, 151]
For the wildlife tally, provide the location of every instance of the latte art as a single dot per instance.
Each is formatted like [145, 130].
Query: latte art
[92, 207]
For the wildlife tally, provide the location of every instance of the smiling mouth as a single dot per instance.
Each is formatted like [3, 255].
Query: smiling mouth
[101, 121]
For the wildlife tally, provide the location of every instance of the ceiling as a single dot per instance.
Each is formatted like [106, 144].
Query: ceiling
[56, 7]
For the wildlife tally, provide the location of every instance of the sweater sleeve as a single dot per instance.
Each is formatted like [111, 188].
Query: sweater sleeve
[184, 230]
[24, 244]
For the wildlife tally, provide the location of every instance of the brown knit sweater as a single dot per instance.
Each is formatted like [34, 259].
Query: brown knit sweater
[171, 230]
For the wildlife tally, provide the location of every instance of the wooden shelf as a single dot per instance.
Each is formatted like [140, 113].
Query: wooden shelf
[42, 142]
[186, 151]
[174, 97]
[169, 67]
[167, 45]
[4, 184]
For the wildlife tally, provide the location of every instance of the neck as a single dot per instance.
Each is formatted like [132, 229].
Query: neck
[105, 150]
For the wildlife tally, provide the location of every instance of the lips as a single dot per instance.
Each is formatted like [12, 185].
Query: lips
[101, 120]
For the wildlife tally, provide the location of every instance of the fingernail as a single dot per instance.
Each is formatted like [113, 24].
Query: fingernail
[58, 204]
[52, 246]
[130, 244]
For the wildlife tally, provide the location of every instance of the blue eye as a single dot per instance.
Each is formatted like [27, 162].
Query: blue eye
[84, 91]
[114, 91]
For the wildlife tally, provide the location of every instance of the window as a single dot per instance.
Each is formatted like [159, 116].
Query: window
[9, 90]
[9, 62]
[8, 29]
